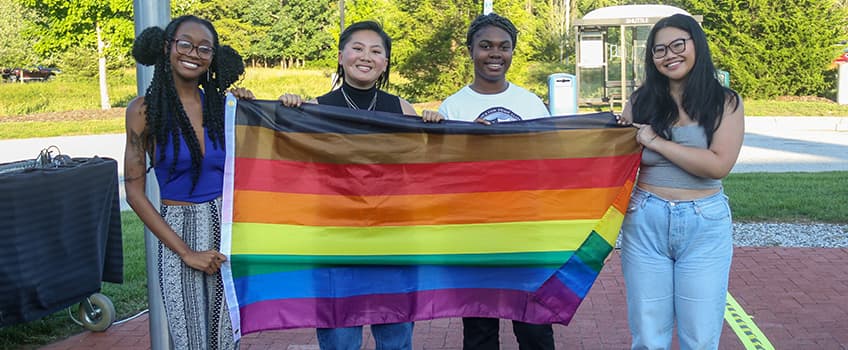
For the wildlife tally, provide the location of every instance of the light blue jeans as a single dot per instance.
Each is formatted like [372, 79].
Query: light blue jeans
[389, 336]
[675, 256]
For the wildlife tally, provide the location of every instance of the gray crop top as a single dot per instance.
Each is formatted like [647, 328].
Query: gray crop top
[658, 171]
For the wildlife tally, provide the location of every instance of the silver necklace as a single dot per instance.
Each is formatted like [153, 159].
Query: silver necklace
[353, 105]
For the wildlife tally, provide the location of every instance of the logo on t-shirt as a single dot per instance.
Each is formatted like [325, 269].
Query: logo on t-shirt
[499, 114]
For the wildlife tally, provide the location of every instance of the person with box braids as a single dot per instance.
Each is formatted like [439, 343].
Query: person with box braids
[179, 125]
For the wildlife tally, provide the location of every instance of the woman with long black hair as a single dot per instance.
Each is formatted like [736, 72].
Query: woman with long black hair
[677, 239]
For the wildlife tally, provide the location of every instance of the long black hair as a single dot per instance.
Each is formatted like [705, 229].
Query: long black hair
[165, 115]
[344, 38]
[704, 99]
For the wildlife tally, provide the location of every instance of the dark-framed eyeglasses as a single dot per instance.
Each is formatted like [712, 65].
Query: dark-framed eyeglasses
[185, 47]
[676, 46]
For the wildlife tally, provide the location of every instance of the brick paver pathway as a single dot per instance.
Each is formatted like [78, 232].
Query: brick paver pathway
[798, 297]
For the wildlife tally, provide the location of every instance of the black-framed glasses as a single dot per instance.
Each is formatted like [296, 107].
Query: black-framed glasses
[185, 47]
[675, 46]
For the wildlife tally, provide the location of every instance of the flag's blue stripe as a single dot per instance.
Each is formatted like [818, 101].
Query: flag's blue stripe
[577, 276]
[362, 280]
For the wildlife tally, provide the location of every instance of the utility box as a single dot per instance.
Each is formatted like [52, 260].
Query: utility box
[842, 86]
[562, 94]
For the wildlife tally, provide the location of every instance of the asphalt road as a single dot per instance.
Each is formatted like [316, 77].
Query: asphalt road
[772, 144]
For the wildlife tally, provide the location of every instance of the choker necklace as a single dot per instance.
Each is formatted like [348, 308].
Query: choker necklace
[353, 105]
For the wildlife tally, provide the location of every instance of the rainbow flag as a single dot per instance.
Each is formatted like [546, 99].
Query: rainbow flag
[334, 217]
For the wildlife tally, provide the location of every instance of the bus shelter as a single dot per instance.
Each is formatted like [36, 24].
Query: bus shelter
[611, 50]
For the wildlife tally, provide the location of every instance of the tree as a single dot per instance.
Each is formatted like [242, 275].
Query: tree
[774, 48]
[14, 47]
[104, 26]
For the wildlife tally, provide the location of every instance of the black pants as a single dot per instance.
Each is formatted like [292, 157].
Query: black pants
[480, 333]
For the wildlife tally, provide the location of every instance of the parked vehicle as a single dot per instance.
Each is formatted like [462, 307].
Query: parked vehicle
[34, 74]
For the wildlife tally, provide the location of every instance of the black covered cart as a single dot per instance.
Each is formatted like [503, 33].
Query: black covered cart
[60, 237]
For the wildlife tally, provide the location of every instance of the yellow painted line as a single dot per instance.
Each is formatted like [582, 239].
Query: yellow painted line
[744, 327]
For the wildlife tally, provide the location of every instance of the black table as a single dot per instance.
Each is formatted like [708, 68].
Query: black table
[60, 237]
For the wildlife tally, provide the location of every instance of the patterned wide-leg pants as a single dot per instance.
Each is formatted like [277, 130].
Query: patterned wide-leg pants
[194, 301]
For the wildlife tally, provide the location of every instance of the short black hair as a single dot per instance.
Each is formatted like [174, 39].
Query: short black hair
[495, 20]
[344, 38]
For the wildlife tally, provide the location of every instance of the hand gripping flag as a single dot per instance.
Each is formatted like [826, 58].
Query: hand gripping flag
[334, 217]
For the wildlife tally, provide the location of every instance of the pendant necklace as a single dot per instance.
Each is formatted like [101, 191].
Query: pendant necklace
[353, 105]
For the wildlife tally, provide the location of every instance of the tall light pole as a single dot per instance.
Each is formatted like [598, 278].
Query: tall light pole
[150, 13]
[341, 16]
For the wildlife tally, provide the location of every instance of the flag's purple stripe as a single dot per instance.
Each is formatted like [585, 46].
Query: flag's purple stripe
[391, 308]
[362, 280]
[554, 295]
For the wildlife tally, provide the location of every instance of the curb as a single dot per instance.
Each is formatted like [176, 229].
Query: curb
[796, 123]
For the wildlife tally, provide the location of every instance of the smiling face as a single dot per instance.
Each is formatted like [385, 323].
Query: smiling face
[363, 59]
[190, 65]
[675, 66]
[491, 51]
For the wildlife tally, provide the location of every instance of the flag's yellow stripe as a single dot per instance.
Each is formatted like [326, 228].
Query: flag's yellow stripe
[517, 237]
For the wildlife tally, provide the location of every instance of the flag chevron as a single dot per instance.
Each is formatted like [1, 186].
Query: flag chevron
[334, 217]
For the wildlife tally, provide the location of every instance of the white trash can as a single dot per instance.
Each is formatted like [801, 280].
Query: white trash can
[842, 85]
[562, 94]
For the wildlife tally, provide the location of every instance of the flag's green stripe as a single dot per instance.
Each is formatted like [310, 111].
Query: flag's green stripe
[253, 264]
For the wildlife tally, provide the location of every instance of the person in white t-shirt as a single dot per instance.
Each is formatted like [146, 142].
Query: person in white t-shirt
[490, 99]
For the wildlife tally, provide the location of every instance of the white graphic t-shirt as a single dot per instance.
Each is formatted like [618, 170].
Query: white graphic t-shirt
[514, 104]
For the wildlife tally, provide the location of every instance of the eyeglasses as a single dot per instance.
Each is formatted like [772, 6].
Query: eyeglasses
[185, 47]
[675, 46]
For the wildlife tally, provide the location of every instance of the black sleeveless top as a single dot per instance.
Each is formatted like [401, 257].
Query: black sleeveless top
[385, 102]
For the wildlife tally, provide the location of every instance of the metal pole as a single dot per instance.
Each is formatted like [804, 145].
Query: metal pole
[341, 16]
[150, 13]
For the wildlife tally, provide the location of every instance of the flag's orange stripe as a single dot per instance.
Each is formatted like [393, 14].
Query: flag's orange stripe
[463, 208]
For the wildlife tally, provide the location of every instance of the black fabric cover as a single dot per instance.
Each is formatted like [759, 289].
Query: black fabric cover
[60, 236]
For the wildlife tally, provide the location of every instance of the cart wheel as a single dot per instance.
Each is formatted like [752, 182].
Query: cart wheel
[96, 312]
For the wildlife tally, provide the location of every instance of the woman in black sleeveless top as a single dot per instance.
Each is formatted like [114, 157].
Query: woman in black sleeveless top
[363, 69]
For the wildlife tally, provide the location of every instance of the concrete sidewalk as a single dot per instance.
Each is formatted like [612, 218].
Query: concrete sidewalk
[797, 297]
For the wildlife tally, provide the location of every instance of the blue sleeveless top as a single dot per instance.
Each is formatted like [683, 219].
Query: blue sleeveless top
[176, 185]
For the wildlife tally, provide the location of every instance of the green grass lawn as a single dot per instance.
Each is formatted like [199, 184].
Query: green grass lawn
[66, 93]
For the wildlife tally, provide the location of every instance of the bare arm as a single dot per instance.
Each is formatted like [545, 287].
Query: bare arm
[714, 162]
[135, 166]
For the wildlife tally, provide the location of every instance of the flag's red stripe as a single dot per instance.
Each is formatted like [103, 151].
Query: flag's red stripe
[431, 178]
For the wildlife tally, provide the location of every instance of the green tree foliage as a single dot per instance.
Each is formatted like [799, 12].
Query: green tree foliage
[287, 32]
[14, 47]
[432, 35]
[64, 26]
[774, 48]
